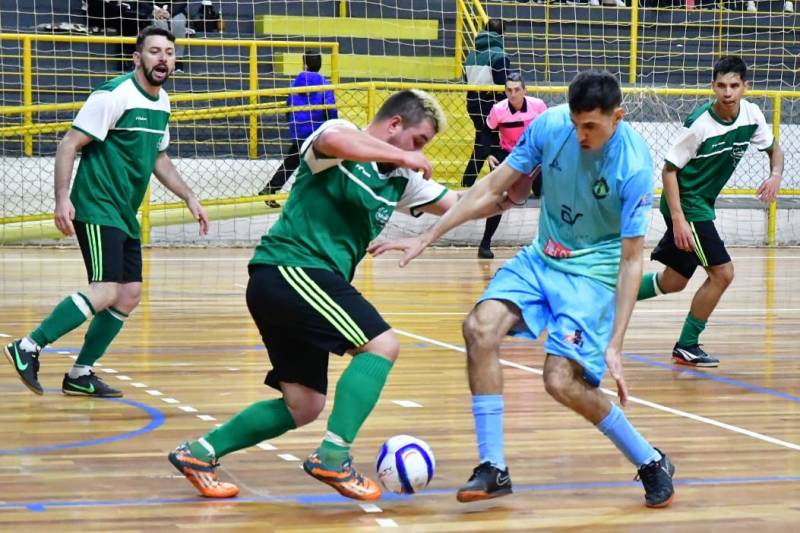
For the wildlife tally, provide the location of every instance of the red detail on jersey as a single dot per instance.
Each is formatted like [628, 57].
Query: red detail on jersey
[554, 249]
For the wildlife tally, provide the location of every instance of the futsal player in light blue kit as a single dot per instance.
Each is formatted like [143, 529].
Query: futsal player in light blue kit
[578, 280]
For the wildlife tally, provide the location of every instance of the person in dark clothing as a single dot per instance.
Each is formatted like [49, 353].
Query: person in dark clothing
[487, 64]
[302, 123]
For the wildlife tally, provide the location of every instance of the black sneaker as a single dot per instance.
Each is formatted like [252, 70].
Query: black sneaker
[26, 365]
[693, 356]
[484, 252]
[656, 476]
[88, 385]
[487, 481]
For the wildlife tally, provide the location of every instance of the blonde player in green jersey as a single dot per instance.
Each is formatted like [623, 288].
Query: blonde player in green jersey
[122, 134]
[711, 144]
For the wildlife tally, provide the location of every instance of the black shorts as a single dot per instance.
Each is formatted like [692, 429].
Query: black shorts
[109, 253]
[305, 314]
[709, 249]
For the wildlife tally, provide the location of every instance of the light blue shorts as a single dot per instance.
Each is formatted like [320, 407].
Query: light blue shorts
[576, 311]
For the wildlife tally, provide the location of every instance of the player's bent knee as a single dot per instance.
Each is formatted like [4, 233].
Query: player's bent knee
[478, 331]
[559, 386]
[386, 345]
[305, 409]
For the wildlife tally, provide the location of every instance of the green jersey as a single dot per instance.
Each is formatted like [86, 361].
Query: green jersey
[129, 129]
[707, 152]
[337, 207]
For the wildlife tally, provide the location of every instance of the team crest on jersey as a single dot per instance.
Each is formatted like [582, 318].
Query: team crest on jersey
[600, 188]
[382, 216]
[737, 152]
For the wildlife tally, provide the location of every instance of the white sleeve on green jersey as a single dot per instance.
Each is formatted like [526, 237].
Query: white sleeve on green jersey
[685, 148]
[315, 163]
[762, 139]
[99, 114]
[419, 192]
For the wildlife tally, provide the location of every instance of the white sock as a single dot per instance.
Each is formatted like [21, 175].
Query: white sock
[29, 346]
[79, 370]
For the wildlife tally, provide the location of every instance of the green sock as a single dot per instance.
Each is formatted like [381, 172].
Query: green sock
[692, 328]
[357, 393]
[70, 313]
[102, 330]
[649, 287]
[262, 420]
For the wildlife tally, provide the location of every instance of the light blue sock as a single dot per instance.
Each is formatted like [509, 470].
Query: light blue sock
[625, 437]
[487, 409]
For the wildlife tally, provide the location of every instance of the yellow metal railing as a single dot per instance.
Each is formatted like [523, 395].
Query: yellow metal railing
[252, 46]
[470, 20]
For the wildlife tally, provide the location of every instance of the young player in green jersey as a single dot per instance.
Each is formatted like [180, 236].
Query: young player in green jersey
[348, 185]
[122, 134]
[714, 139]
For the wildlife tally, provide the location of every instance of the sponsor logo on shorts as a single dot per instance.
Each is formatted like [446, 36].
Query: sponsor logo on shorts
[576, 338]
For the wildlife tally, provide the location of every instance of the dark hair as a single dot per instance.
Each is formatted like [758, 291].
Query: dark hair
[150, 31]
[413, 106]
[728, 65]
[495, 25]
[313, 61]
[594, 89]
[515, 76]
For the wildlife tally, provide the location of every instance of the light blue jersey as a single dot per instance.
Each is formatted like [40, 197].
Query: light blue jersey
[590, 199]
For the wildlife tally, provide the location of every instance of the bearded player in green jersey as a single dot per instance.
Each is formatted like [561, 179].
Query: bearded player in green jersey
[348, 185]
[122, 134]
[714, 139]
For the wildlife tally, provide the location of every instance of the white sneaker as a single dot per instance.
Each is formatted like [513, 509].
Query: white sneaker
[594, 3]
[788, 6]
[614, 3]
[751, 6]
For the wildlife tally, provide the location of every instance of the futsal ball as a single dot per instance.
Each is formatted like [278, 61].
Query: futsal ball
[405, 464]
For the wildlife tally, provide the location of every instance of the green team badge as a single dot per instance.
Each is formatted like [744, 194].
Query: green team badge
[600, 188]
[382, 216]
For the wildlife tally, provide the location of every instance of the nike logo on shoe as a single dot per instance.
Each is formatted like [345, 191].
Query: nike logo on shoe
[20, 366]
[502, 479]
[686, 355]
[89, 389]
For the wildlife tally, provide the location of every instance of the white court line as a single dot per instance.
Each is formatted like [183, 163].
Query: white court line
[123, 378]
[370, 508]
[406, 403]
[109, 370]
[207, 418]
[170, 400]
[266, 446]
[632, 399]
[240, 285]
[288, 457]
[63, 352]
[139, 385]
[154, 392]
[187, 408]
[386, 522]
[5, 336]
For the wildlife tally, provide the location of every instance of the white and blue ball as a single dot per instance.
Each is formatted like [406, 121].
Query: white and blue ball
[405, 464]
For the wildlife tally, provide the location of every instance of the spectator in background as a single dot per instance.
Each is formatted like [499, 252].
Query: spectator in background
[173, 16]
[509, 117]
[487, 64]
[302, 123]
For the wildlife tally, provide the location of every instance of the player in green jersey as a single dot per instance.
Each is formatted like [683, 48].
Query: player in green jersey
[122, 134]
[348, 185]
[712, 142]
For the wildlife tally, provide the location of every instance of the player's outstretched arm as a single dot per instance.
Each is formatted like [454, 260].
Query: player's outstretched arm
[628, 280]
[768, 190]
[341, 142]
[168, 175]
[66, 152]
[486, 198]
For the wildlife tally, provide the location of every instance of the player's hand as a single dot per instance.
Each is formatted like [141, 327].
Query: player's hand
[198, 213]
[768, 190]
[614, 364]
[683, 235]
[417, 161]
[410, 246]
[64, 215]
[493, 162]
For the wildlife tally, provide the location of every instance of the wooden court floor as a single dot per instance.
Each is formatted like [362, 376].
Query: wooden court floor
[190, 357]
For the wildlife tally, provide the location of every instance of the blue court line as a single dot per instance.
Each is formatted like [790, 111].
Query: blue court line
[156, 419]
[321, 499]
[714, 377]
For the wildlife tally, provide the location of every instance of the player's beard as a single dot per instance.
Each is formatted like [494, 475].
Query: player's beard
[148, 74]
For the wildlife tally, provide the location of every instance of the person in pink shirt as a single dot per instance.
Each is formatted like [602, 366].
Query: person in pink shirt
[510, 116]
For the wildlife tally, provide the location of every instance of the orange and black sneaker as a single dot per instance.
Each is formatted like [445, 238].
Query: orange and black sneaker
[345, 479]
[201, 474]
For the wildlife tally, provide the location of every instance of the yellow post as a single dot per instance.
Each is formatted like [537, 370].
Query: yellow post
[772, 217]
[145, 230]
[371, 101]
[547, 41]
[27, 91]
[632, 65]
[721, 12]
[335, 64]
[459, 46]
[342, 8]
[253, 100]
